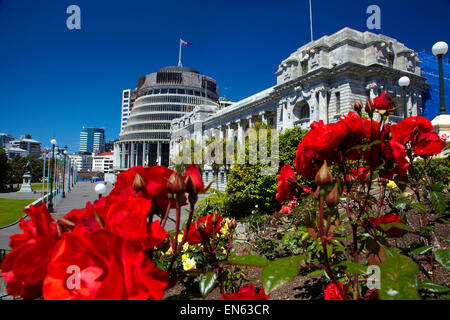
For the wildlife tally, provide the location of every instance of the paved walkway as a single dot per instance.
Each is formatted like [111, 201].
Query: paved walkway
[77, 198]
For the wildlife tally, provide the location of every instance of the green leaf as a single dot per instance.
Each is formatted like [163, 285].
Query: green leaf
[433, 287]
[399, 278]
[353, 267]
[421, 250]
[248, 260]
[438, 201]
[399, 225]
[316, 273]
[443, 257]
[207, 283]
[280, 271]
[418, 206]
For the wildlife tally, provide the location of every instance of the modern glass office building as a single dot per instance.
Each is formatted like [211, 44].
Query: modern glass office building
[161, 97]
[92, 140]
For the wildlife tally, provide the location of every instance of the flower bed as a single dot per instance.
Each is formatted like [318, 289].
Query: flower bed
[367, 228]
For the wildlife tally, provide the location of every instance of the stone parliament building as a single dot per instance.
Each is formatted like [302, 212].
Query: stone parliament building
[319, 81]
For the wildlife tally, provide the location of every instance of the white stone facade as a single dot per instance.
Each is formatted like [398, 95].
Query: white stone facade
[319, 81]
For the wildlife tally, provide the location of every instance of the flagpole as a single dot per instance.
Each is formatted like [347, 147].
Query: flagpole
[311, 21]
[179, 55]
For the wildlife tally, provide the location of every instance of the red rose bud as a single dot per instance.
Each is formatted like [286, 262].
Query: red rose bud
[382, 102]
[323, 176]
[370, 107]
[193, 180]
[175, 184]
[232, 224]
[138, 183]
[357, 106]
[334, 196]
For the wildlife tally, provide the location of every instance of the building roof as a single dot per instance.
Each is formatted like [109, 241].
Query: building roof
[104, 154]
[178, 69]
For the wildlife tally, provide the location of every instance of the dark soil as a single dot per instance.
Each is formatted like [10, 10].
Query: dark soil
[305, 287]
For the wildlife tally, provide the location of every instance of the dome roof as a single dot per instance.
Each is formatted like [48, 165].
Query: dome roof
[178, 69]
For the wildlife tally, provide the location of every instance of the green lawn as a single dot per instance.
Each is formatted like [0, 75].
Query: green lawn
[12, 209]
[37, 186]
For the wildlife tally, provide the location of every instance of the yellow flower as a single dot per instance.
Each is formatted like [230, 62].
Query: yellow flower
[185, 247]
[169, 252]
[188, 263]
[391, 184]
[180, 237]
[184, 257]
[225, 228]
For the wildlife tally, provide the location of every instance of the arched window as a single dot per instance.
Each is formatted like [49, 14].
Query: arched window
[301, 110]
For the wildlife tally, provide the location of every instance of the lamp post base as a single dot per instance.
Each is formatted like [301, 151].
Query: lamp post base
[441, 125]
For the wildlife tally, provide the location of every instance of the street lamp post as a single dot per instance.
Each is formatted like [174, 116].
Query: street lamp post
[50, 196]
[403, 82]
[100, 189]
[64, 173]
[439, 49]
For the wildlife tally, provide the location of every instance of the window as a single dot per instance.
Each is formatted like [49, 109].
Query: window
[304, 64]
[191, 92]
[126, 94]
[181, 91]
[172, 90]
[391, 59]
[163, 91]
[338, 102]
[197, 93]
[156, 91]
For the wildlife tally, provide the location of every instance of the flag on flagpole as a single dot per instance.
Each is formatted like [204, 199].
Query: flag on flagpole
[185, 43]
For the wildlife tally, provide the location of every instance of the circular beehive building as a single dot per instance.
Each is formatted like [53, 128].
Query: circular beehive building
[162, 96]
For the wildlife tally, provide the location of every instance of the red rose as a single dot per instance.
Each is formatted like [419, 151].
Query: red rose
[152, 182]
[332, 292]
[204, 228]
[128, 219]
[286, 184]
[193, 180]
[99, 266]
[395, 153]
[306, 189]
[382, 102]
[360, 174]
[324, 140]
[304, 163]
[285, 210]
[246, 293]
[406, 129]
[24, 268]
[428, 144]
[393, 232]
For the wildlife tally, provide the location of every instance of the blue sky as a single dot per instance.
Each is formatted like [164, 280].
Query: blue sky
[53, 80]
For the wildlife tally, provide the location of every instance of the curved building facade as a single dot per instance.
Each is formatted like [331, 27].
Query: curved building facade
[161, 97]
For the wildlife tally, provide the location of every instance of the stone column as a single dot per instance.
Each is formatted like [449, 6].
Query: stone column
[264, 116]
[229, 131]
[221, 133]
[323, 112]
[143, 152]
[132, 155]
[251, 122]
[122, 159]
[158, 152]
[240, 131]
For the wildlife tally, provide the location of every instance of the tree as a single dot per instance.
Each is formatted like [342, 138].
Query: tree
[4, 168]
[247, 188]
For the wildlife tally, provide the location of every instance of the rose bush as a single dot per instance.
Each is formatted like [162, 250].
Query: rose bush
[347, 220]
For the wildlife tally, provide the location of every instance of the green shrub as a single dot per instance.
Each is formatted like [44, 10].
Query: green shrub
[248, 189]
